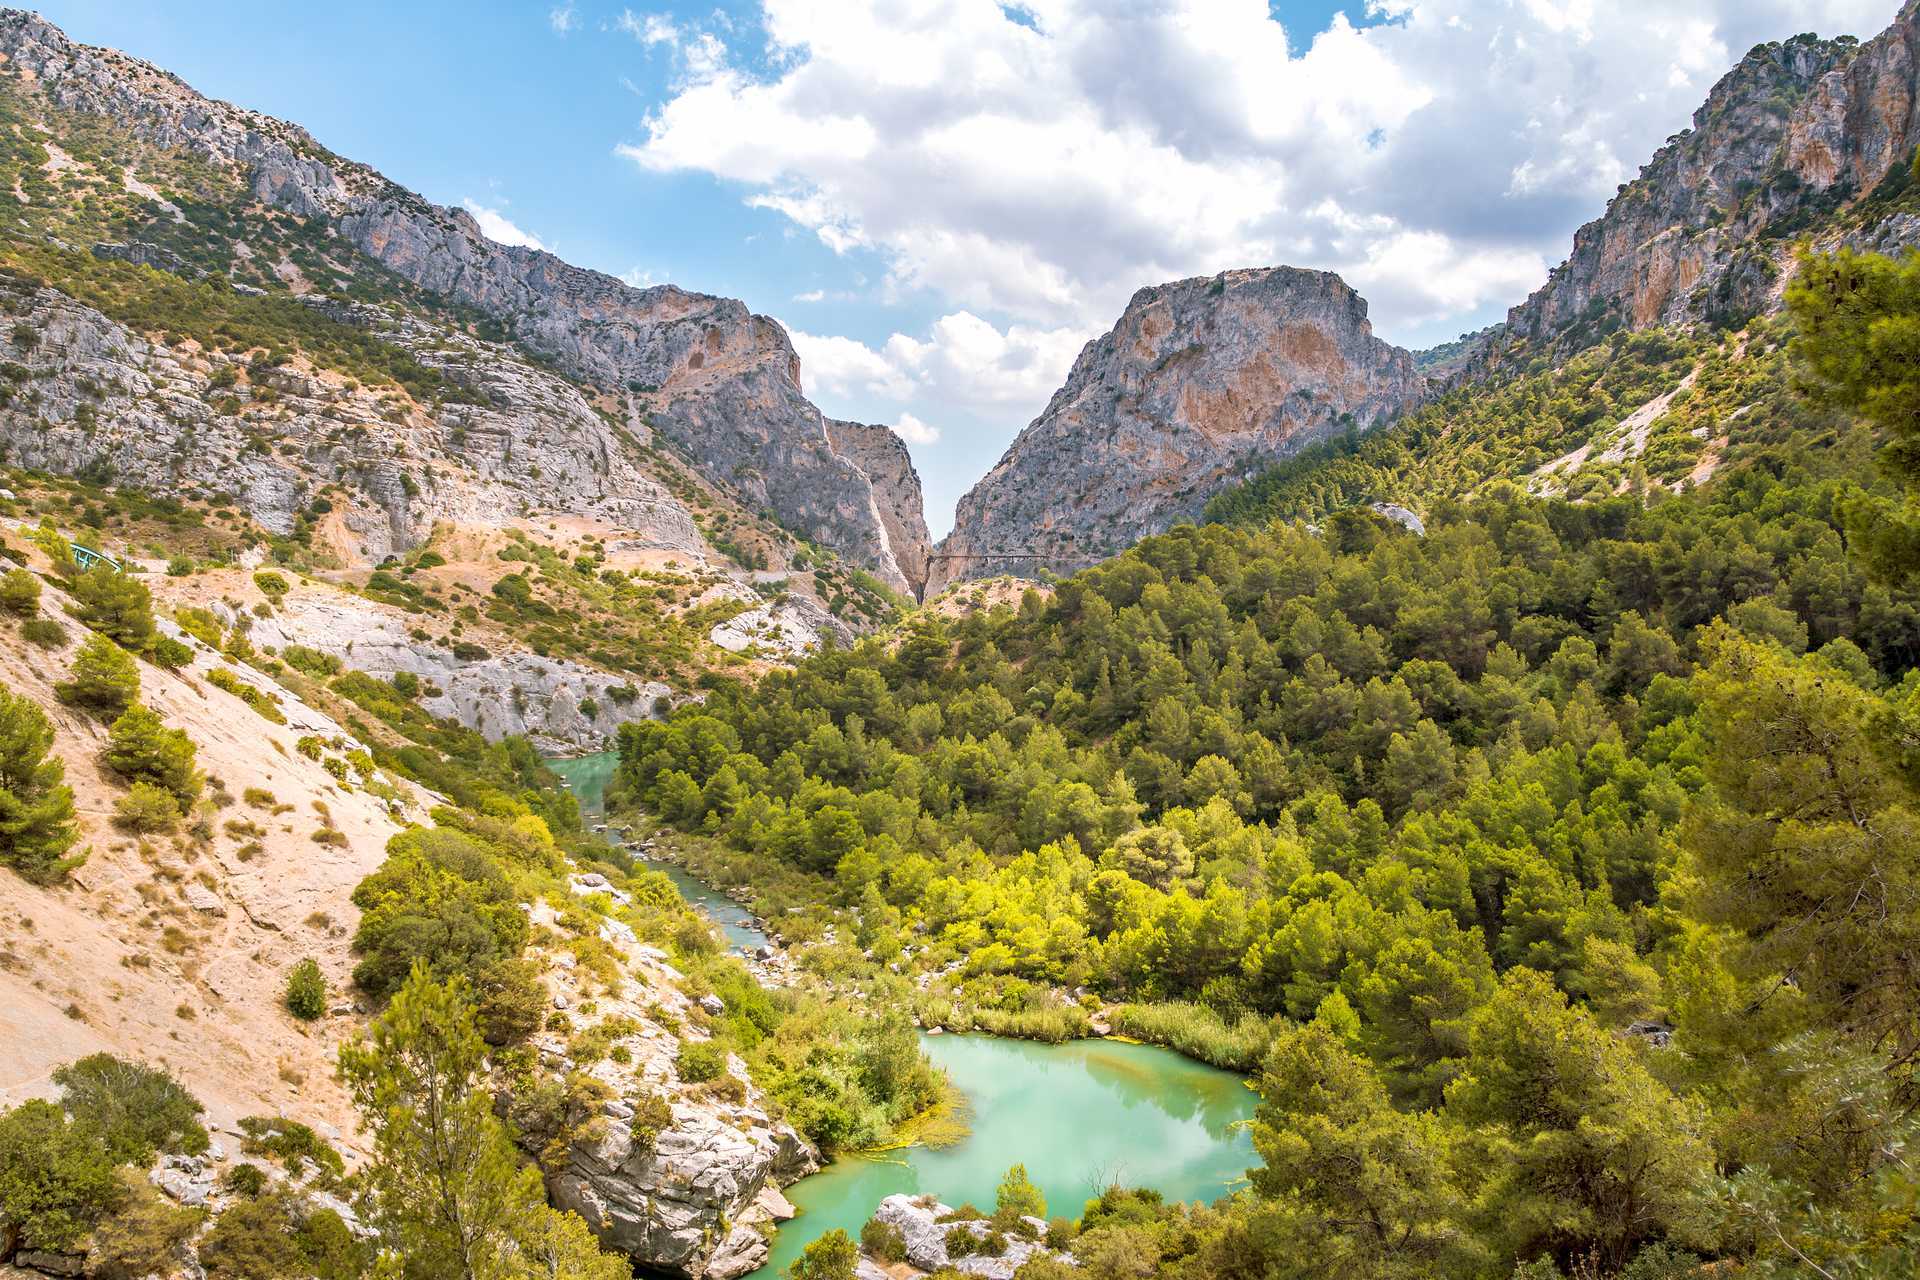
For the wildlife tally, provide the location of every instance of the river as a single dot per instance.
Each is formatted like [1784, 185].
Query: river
[1079, 1115]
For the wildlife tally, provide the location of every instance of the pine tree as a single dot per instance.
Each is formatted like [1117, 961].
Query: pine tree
[36, 805]
[104, 679]
[140, 748]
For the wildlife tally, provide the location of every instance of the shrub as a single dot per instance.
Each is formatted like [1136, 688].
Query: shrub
[169, 653]
[140, 748]
[700, 1061]
[36, 805]
[146, 1235]
[312, 661]
[883, 1241]
[104, 679]
[44, 632]
[134, 1111]
[832, 1257]
[20, 593]
[467, 651]
[56, 1178]
[179, 566]
[306, 991]
[146, 809]
[245, 1180]
[271, 583]
[406, 684]
[264, 704]
[292, 1143]
[1018, 1198]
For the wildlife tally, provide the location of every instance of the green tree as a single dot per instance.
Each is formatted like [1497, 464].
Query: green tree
[1368, 1188]
[140, 748]
[1017, 1197]
[104, 679]
[306, 990]
[1586, 1153]
[146, 1235]
[834, 1256]
[117, 605]
[20, 593]
[452, 1199]
[36, 805]
[56, 1178]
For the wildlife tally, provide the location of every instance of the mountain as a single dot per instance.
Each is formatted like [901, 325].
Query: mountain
[1804, 137]
[528, 383]
[1200, 383]
[1204, 381]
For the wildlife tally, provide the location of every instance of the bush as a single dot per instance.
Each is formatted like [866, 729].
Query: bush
[292, 1143]
[832, 1257]
[44, 632]
[146, 1235]
[271, 583]
[245, 1180]
[56, 1177]
[146, 809]
[135, 1111]
[306, 991]
[883, 1241]
[312, 661]
[169, 653]
[20, 593]
[142, 749]
[104, 679]
[700, 1061]
[36, 805]
[406, 684]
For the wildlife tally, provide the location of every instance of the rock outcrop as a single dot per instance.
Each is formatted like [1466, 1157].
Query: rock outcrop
[883, 457]
[107, 402]
[688, 1197]
[1200, 384]
[1782, 145]
[721, 383]
[925, 1224]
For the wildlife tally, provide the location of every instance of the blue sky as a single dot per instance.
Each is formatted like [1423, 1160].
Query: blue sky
[943, 210]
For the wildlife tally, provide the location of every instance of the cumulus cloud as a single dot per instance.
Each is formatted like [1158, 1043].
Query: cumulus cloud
[563, 18]
[497, 227]
[914, 431]
[962, 361]
[1041, 162]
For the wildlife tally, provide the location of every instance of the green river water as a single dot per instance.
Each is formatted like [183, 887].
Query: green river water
[1079, 1115]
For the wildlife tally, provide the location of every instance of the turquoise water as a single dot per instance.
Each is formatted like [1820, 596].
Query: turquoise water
[587, 777]
[1080, 1116]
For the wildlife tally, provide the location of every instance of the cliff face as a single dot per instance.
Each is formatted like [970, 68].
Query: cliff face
[719, 382]
[1200, 384]
[1782, 145]
[884, 459]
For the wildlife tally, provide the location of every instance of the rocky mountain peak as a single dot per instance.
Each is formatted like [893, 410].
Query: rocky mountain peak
[1200, 383]
[1786, 144]
[719, 382]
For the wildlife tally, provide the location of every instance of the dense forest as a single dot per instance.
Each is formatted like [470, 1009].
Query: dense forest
[1554, 870]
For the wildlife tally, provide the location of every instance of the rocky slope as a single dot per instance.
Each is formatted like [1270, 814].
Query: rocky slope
[1200, 384]
[720, 383]
[1782, 147]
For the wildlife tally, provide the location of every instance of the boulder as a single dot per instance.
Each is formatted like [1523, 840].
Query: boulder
[918, 1219]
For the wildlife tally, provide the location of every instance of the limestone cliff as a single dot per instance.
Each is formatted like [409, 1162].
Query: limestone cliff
[1200, 384]
[884, 459]
[720, 383]
[1797, 139]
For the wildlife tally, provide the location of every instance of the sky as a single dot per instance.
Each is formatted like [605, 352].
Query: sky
[944, 200]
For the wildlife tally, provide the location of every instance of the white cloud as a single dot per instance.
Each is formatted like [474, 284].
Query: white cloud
[1041, 168]
[914, 431]
[963, 361]
[811, 295]
[497, 227]
[563, 18]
